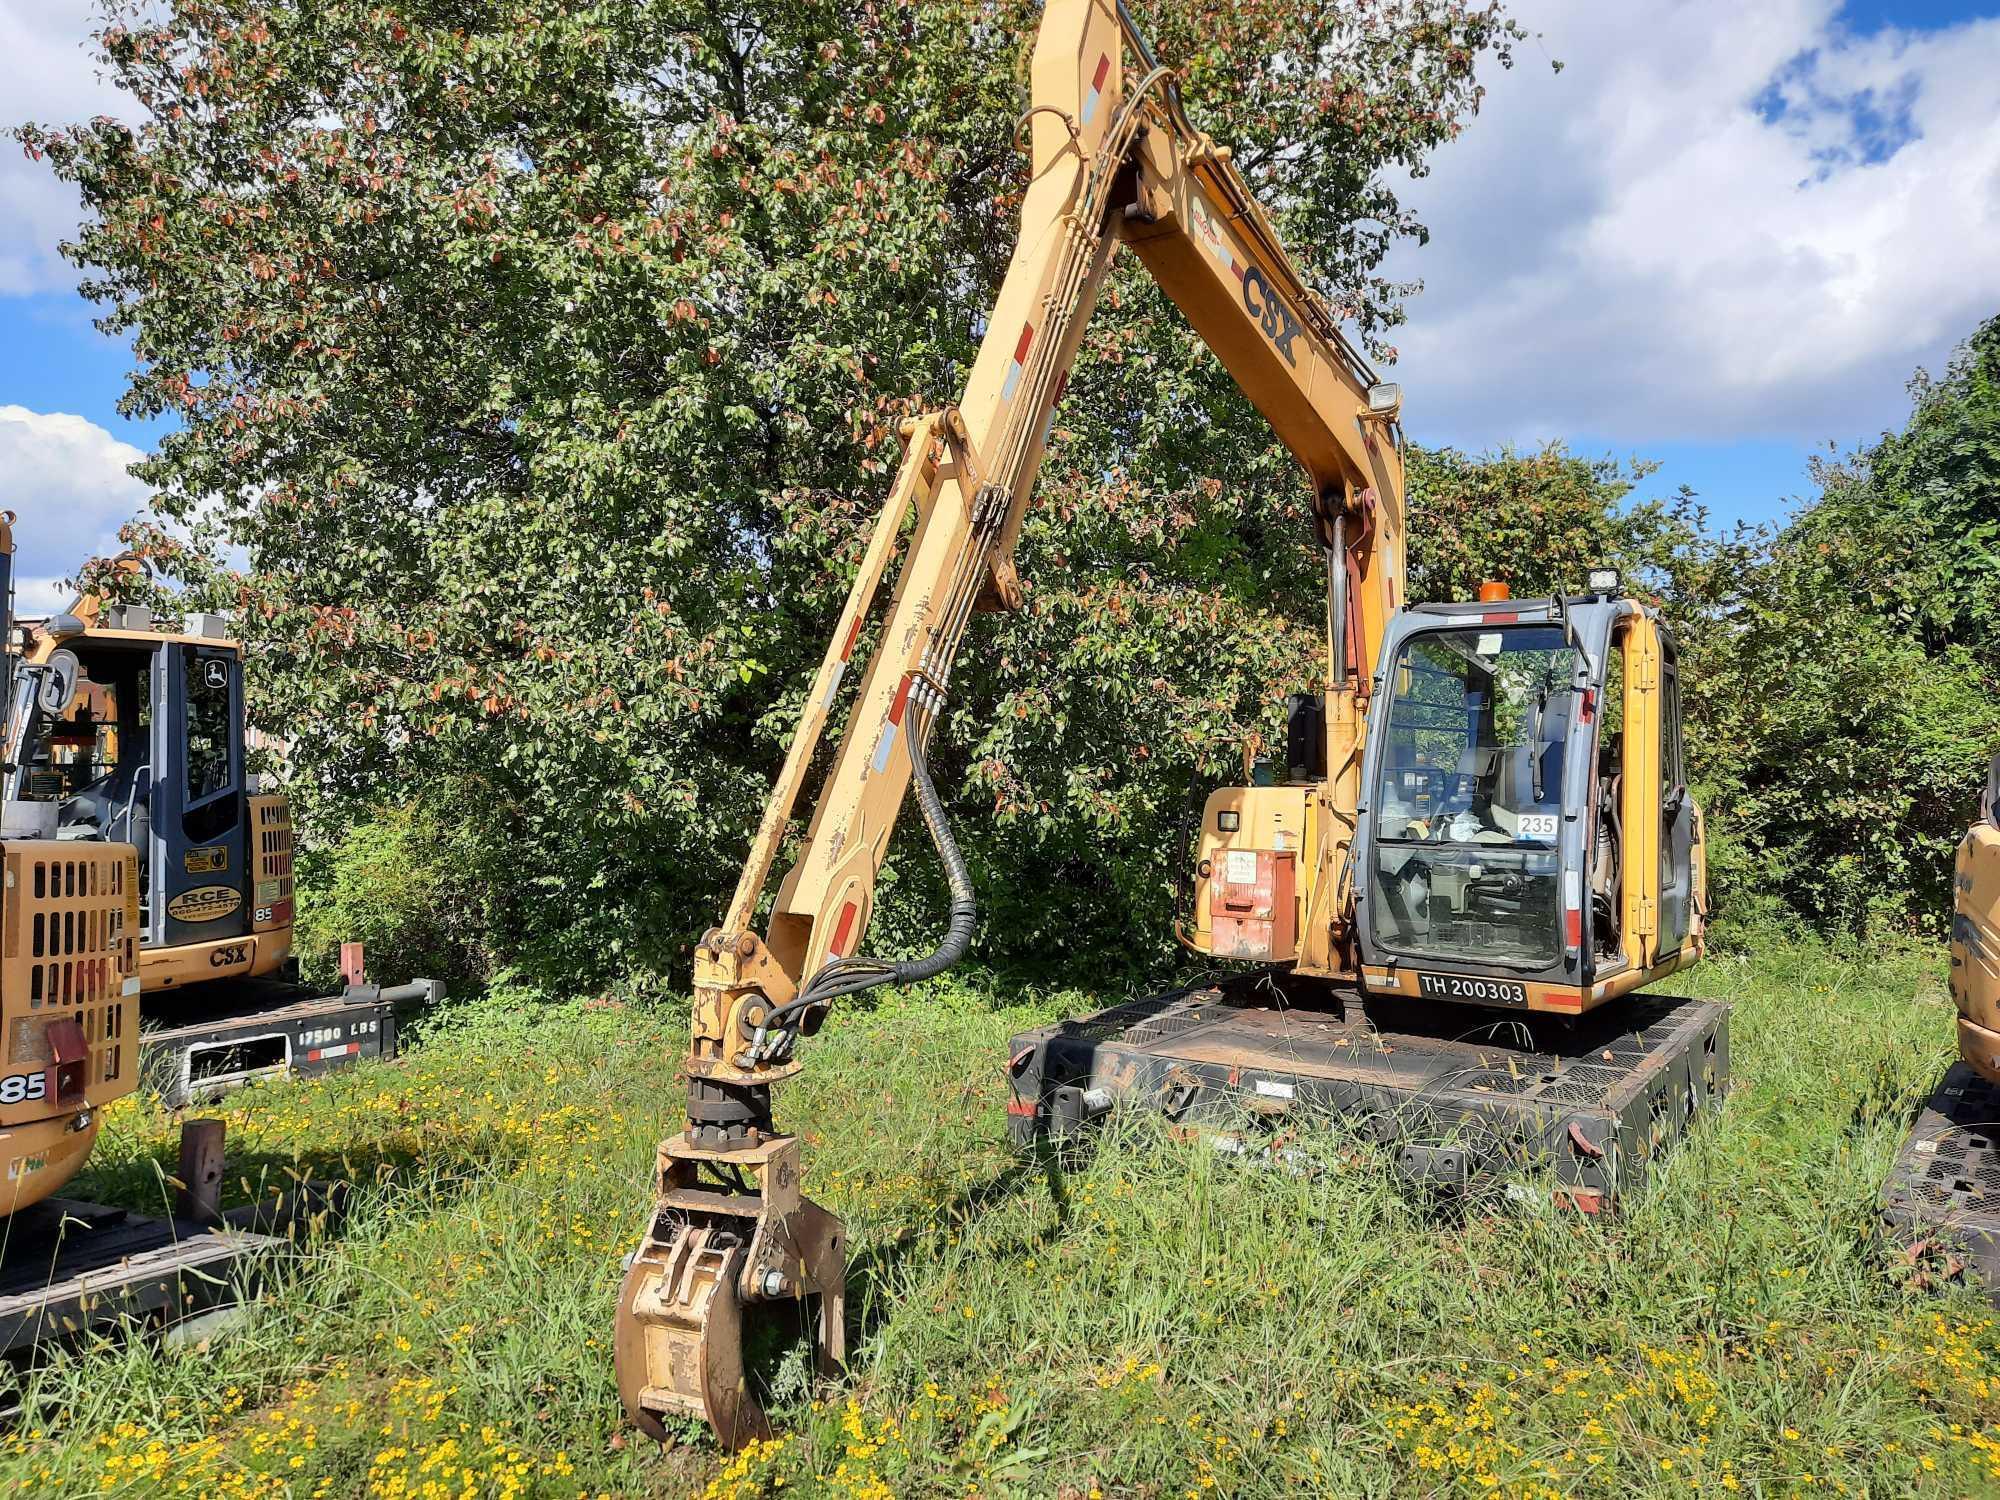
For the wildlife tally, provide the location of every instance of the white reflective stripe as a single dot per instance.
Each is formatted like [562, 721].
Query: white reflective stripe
[833, 683]
[883, 747]
[1572, 891]
[1013, 379]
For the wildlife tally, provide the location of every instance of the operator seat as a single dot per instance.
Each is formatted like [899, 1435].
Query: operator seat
[1514, 785]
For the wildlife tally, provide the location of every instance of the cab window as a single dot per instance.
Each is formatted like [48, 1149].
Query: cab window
[105, 727]
[211, 746]
[1469, 794]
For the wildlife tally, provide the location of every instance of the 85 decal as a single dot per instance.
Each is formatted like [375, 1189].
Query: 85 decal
[18, 1088]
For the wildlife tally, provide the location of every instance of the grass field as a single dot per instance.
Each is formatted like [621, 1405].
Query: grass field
[1154, 1322]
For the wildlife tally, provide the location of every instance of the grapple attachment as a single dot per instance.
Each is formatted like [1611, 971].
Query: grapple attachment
[730, 1233]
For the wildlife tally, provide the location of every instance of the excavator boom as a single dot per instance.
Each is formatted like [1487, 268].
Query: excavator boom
[1114, 160]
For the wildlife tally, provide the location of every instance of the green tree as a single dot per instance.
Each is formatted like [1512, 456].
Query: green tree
[1909, 528]
[545, 357]
[1857, 688]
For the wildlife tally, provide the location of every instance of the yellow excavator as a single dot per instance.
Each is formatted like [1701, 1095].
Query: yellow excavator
[1975, 935]
[144, 867]
[69, 955]
[150, 750]
[1484, 810]
[1941, 1200]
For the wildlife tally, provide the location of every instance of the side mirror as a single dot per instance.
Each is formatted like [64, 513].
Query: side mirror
[57, 690]
[1993, 790]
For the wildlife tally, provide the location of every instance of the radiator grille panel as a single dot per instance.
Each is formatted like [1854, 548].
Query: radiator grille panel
[271, 831]
[72, 943]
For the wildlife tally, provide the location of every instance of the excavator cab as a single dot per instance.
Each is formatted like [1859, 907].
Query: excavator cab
[1524, 834]
[1526, 837]
[151, 752]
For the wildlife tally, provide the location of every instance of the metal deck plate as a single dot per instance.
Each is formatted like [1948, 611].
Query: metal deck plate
[67, 1267]
[1945, 1185]
[1458, 1093]
[213, 1038]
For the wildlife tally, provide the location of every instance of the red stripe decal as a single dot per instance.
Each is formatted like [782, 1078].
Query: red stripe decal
[1103, 67]
[1062, 384]
[1588, 709]
[1027, 338]
[838, 947]
[1573, 927]
[902, 698]
[1506, 619]
[853, 635]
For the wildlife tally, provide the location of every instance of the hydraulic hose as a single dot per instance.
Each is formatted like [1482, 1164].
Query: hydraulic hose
[957, 940]
[848, 976]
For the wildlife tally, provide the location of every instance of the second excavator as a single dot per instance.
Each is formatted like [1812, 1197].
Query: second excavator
[1483, 810]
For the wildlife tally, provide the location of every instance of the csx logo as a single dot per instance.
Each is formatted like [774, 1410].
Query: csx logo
[229, 957]
[1276, 319]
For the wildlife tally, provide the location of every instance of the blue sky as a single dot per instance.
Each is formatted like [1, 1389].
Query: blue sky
[1721, 237]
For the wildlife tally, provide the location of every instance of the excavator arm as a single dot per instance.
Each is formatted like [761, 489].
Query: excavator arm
[1114, 160]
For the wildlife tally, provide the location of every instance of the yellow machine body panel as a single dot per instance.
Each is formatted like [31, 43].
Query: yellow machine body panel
[1975, 936]
[1256, 873]
[69, 1003]
[267, 946]
[1646, 782]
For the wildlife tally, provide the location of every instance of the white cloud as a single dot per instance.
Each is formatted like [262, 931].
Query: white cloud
[1696, 231]
[1718, 221]
[48, 75]
[66, 482]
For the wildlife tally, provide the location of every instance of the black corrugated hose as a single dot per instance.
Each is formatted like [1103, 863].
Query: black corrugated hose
[848, 976]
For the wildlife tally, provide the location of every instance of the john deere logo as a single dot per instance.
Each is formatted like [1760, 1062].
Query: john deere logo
[205, 903]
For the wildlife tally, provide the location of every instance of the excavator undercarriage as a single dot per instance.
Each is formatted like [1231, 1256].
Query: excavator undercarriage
[1458, 1103]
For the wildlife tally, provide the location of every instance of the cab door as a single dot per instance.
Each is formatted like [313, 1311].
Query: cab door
[198, 844]
[1661, 824]
[1677, 812]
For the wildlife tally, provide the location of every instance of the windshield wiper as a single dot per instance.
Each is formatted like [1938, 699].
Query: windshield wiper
[1535, 742]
